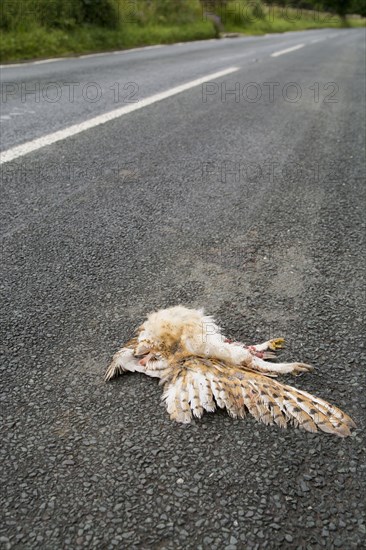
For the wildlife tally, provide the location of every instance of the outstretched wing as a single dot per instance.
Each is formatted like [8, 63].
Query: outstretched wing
[197, 385]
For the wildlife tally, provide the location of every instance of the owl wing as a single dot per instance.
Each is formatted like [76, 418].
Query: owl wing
[122, 361]
[199, 384]
[126, 360]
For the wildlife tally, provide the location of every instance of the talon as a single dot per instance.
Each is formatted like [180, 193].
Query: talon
[301, 368]
[276, 343]
[269, 355]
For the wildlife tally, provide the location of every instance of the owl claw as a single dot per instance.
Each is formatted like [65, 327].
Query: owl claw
[300, 368]
[276, 343]
[268, 355]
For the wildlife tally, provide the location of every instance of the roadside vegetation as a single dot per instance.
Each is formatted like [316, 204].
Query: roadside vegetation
[45, 28]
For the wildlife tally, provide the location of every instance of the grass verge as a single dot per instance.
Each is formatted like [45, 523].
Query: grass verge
[40, 42]
[272, 19]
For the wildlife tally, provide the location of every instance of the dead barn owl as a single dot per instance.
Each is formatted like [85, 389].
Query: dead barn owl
[200, 370]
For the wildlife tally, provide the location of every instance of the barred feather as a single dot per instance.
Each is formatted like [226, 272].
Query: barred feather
[240, 391]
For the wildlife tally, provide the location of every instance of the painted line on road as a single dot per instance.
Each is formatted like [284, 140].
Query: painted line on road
[48, 139]
[73, 58]
[288, 50]
[318, 40]
[132, 50]
[85, 56]
[40, 62]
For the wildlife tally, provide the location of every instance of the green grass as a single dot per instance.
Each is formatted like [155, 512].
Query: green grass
[279, 26]
[35, 41]
[275, 19]
[40, 42]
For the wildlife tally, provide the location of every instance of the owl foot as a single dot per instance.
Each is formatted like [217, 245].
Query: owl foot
[276, 343]
[280, 368]
[261, 350]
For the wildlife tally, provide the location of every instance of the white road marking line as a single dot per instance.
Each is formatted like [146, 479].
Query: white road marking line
[48, 139]
[318, 40]
[154, 47]
[85, 56]
[53, 59]
[131, 50]
[40, 62]
[281, 52]
[10, 65]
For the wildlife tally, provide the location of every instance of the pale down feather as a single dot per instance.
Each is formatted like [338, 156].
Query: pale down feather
[200, 370]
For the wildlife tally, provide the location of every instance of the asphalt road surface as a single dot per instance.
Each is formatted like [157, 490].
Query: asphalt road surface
[250, 204]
